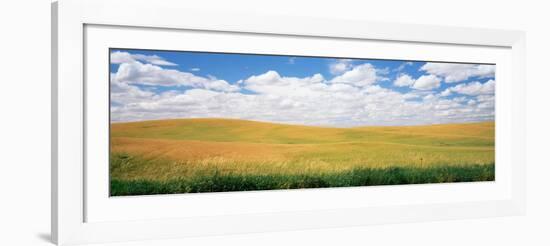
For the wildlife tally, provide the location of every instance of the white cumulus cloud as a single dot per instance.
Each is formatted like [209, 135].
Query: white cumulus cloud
[403, 80]
[475, 88]
[360, 75]
[340, 66]
[427, 82]
[118, 57]
[452, 72]
[135, 72]
[308, 100]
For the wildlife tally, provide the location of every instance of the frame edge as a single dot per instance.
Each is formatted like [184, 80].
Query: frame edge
[54, 129]
[519, 122]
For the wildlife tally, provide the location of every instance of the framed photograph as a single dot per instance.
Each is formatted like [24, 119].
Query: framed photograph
[168, 125]
[198, 122]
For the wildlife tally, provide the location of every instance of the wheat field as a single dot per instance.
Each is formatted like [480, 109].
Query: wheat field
[176, 154]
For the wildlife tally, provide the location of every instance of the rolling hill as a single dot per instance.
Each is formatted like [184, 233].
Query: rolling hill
[184, 149]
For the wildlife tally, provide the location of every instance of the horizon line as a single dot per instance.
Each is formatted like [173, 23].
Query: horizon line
[291, 124]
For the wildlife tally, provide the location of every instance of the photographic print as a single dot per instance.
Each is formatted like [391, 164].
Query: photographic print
[193, 122]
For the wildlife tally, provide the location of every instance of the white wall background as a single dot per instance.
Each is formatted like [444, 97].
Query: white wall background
[25, 123]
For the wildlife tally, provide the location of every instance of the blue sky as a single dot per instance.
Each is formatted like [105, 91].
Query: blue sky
[337, 92]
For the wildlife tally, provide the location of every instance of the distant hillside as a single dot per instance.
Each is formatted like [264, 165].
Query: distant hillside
[232, 130]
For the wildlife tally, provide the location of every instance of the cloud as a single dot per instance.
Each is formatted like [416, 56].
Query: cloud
[475, 88]
[447, 92]
[360, 75]
[119, 57]
[452, 72]
[271, 82]
[424, 82]
[135, 72]
[145, 91]
[402, 66]
[403, 80]
[310, 100]
[291, 60]
[427, 82]
[340, 66]
[195, 69]
[429, 97]
[123, 93]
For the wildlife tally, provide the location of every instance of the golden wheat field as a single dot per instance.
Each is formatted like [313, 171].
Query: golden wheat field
[164, 150]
